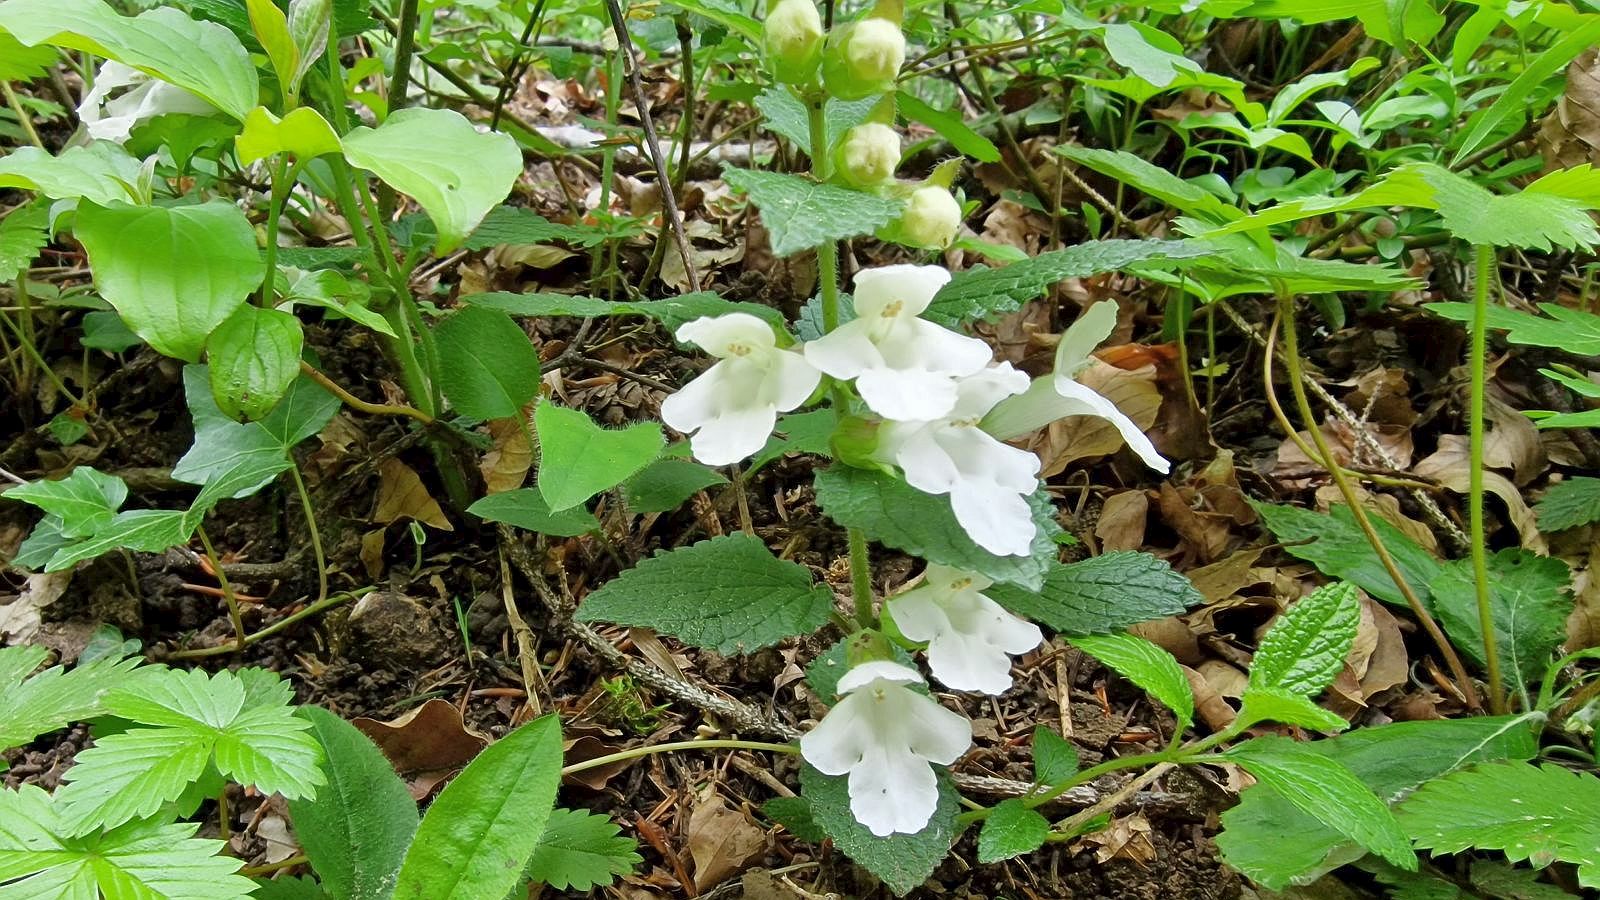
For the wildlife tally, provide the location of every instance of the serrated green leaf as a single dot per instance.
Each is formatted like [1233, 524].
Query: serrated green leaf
[728, 594]
[1569, 504]
[801, 213]
[526, 509]
[1011, 830]
[670, 312]
[289, 887]
[794, 814]
[1527, 219]
[1286, 707]
[1101, 594]
[1529, 599]
[578, 459]
[253, 357]
[901, 861]
[580, 850]
[1496, 879]
[1536, 814]
[898, 515]
[520, 225]
[1337, 547]
[665, 484]
[358, 826]
[53, 698]
[1146, 665]
[1306, 645]
[1153, 181]
[85, 501]
[1055, 759]
[100, 172]
[1573, 330]
[801, 432]
[484, 826]
[488, 369]
[23, 232]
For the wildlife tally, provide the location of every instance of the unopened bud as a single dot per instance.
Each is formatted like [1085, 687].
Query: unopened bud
[863, 58]
[868, 155]
[931, 218]
[793, 37]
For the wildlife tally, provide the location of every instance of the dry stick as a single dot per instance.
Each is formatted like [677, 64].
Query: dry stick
[668, 202]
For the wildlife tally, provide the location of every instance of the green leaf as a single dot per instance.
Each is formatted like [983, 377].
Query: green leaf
[1512, 105]
[1526, 220]
[1054, 758]
[580, 850]
[665, 484]
[100, 172]
[1529, 599]
[304, 410]
[1011, 830]
[1101, 594]
[330, 289]
[23, 232]
[488, 368]
[302, 887]
[302, 132]
[23, 63]
[823, 672]
[254, 355]
[520, 225]
[901, 861]
[898, 515]
[144, 530]
[671, 312]
[728, 594]
[1496, 879]
[794, 814]
[1569, 504]
[85, 501]
[1337, 547]
[103, 329]
[1572, 330]
[1535, 814]
[798, 432]
[357, 827]
[41, 858]
[1285, 706]
[174, 273]
[271, 28]
[801, 213]
[456, 173]
[35, 551]
[1154, 181]
[949, 126]
[54, 698]
[578, 459]
[785, 115]
[1275, 843]
[526, 509]
[1146, 665]
[1324, 788]
[480, 832]
[1306, 645]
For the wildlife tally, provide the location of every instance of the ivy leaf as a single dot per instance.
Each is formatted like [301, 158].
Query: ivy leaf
[54, 698]
[801, 213]
[671, 312]
[85, 501]
[1569, 504]
[525, 508]
[1539, 814]
[665, 484]
[580, 850]
[1011, 830]
[728, 594]
[898, 515]
[1054, 758]
[1101, 594]
[1337, 547]
[254, 356]
[100, 172]
[1529, 600]
[1146, 665]
[1307, 645]
[901, 861]
[152, 858]
[487, 366]
[578, 459]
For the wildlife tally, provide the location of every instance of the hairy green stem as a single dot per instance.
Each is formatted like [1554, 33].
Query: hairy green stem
[405, 45]
[1484, 264]
[311, 525]
[861, 578]
[713, 744]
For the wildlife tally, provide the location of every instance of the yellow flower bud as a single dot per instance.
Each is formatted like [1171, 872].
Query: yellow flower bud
[793, 38]
[931, 219]
[863, 58]
[868, 155]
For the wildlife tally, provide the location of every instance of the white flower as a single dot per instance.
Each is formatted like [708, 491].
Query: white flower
[970, 637]
[729, 411]
[109, 118]
[904, 367]
[985, 478]
[885, 735]
[1058, 395]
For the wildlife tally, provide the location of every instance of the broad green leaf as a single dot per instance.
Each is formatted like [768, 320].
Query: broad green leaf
[787, 116]
[1101, 594]
[798, 432]
[581, 850]
[897, 515]
[1160, 184]
[526, 509]
[1573, 330]
[357, 827]
[103, 329]
[200, 57]
[1336, 546]
[41, 544]
[100, 172]
[949, 126]
[520, 225]
[289, 887]
[254, 355]
[303, 133]
[665, 484]
[1146, 665]
[670, 312]
[1529, 598]
[488, 368]
[1306, 645]
[1011, 830]
[801, 213]
[1569, 504]
[1054, 758]
[1275, 843]
[578, 459]
[442, 161]
[1512, 106]
[728, 594]
[144, 530]
[480, 832]
[901, 861]
[1285, 706]
[1149, 54]
[982, 293]
[330, 289]
[22, 63]
[23, 233]
[53, 698]
[728, 15]
[309, 25]
[794, 814]
[173, 273]
[41, 858]
[1535, 814]
[86, 500]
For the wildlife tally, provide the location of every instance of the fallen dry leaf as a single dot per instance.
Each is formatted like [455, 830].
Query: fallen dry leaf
[1122, 521]
[1449, 465]
[1583, 625]
[1126, 838]
[1226, 577]
[721, 841]
[1214, 711]
[402, 495]
[506, 463]
[425, 745]
[1204, 532]
[20, 619]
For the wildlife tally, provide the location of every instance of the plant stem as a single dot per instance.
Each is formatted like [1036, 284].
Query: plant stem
[275, 627]
[299, 859]
[26, 121]
[1480, 552]
[861, 578]
[713, 744]
[405, 45]
[281, 182]
[354, 402]
[316, 538]
[227, 590]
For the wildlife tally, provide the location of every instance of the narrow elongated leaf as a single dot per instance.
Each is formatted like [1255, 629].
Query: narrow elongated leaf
[1147, 666]
[487, 366]
[578, 459]
[1102, 594]
[801, 213]
[1512, 104]
[949, 126]
[1306, 646]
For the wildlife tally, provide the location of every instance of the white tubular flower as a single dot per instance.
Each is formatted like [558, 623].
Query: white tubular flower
[113, 118]
[970, 638]
[885, 735]
[1055, 396]
[986, 479]
[904, 367]
[729, 411]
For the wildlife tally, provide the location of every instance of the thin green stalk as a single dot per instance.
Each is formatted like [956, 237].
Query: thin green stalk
[32, 353]
[316, 538]
[1480, 551]
[861, 578]
[405, 45]
[26, 121]
[227, 590]
[306, 613]
[282, 179]
[714, 744]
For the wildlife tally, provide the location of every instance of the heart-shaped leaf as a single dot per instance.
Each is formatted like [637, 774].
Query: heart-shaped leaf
[578, 459]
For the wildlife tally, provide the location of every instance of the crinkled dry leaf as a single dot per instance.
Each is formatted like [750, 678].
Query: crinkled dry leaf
[1122, 521]
[721, 841]
[1583, 626]
[1570, 134]
[1227, 577]
[1126, 838]
[1204, 532]
[402, 495]
[1209, 706]
[424, 744]
[1449, 465]
[20, 619]
[505, 464]
[1513, 443]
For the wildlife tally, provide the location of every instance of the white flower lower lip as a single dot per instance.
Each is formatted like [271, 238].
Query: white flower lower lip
[970, 637]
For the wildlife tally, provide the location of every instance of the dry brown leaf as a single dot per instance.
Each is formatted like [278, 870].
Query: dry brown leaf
[1225, 678]
[1208, 704]
[1223, 579]
[424, 744]
[273, 829]
[1382, 395]
[1449, 465]
[1068, 440]
[1172, 634]
[1122, 521]
[20, 619]
[578, 747]
[1513, 443]
[506, 463]
[402, 495]
[1218, 483]
[1385, 507]
[1570, 135]
[1126, 838]
[1206, 533]
[372, 552]
[1583, 626]
[721, 841]
[1389, 665]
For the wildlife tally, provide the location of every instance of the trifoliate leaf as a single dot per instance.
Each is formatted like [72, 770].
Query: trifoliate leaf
[580, 850]
[85, 501]
[1306, 645]
[1569, 504]
[901, 861]
[1529, 599]
[1054, 758]
[1336, 546]
[1011, 830]
[801, 213]
[728, 594]
[1146, 665]
[53, 698]
[1101, 594]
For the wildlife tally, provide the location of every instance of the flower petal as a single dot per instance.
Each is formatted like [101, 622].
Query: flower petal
[925, 464]
[932, 732]
[1083, 335]
[721, 335]
[907, 395]
[880, 669]
[966, 662]
[791, 380]
[893, 791]
[978, 393]
[733, 435]
[918, 615]
[846, 351]
[840, 740]
[997, 520]
[913, 286]
[1105, 409]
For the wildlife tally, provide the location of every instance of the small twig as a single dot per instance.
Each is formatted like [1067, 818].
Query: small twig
[25, 120]
[227, 592]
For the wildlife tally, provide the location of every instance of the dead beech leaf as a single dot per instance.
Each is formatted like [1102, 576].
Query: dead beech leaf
[721, 841]
[1208, 704]
[1583, 625]
[1172, 634]
[20, 619]
[1218, 482]
[585, 747]
[1513, 443]
[1449, 465]
[1081, 437]
[1570, 135]
[1122, 521]
[402, 495]
[424, 744]
[1385, 507]
[506, 463]
[1388, 665]
[1126, 838]
[1225, 678]
[1224, 578]
[1205, 533]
